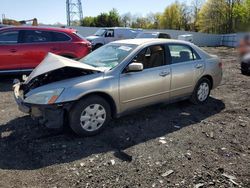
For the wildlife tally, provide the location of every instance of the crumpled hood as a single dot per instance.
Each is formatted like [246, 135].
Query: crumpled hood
[53, 62]
[92, 37]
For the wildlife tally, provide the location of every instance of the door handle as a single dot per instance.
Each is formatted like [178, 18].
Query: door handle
[13, 50]
[198, 66]
[164, 73]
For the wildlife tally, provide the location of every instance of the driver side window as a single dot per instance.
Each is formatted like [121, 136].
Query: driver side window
[150, 57]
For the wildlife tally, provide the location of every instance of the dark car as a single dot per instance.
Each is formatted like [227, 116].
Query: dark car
[245, 65]
[23, 48]
[1, 26]
[154, 35]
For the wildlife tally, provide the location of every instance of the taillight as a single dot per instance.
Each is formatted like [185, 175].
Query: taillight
[220, 65]
[86, 44]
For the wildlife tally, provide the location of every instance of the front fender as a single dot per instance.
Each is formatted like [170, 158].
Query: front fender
[106, 85]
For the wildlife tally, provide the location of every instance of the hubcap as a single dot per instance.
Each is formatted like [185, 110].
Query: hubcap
[93, 117]
[203, 91]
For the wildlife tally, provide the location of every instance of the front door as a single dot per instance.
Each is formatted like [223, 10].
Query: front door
[35, 46]
[149, 86]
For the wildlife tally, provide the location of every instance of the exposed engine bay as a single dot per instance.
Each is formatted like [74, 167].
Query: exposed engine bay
[54, 76]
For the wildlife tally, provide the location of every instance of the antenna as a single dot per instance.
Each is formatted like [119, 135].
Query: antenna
[74, 12]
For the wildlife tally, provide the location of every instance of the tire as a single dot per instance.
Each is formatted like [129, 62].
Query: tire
[84, 119]
[245, 72]
[97, 46]
[204, 88]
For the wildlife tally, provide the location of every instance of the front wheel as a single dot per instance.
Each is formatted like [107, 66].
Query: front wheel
[90, 116]
[97, 46]
[201, 91]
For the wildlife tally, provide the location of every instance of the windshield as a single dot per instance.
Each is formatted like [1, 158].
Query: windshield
[147, 35]
[100, 32]
[108, 56]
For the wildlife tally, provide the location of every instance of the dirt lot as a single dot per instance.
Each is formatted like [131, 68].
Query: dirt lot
[177, 145]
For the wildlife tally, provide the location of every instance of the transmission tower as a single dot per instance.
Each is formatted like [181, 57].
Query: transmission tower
[74, 11]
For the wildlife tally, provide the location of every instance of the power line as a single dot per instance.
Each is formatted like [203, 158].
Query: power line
[74, 11]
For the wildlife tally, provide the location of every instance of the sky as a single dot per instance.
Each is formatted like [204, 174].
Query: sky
[53, 11]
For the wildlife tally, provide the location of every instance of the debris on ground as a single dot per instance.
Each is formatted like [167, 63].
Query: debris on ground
[166, 174]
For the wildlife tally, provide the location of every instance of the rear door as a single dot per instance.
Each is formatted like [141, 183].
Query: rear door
[35, 46]
[186, 67]
[62, 45]
[9, 50]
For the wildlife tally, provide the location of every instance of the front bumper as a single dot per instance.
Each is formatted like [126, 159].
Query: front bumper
[52, 116]
[19, 98]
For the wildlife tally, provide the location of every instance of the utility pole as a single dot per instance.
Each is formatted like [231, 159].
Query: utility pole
[74, 11]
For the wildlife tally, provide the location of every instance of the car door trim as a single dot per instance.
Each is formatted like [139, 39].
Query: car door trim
[145, 97]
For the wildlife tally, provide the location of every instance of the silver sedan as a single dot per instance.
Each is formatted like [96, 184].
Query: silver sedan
[116, 79]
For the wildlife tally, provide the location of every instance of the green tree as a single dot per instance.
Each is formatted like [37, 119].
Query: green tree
[212, 17]
[171, 18]
[88, 22]
[110, 19]
[242, 16]
[114, 18]
[224, 16]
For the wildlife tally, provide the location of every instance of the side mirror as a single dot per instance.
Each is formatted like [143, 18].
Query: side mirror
[135, 67]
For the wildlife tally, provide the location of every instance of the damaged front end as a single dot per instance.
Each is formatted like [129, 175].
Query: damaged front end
[34, 98]
[46, 111]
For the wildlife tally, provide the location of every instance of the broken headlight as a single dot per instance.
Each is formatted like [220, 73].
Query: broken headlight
[45, 97]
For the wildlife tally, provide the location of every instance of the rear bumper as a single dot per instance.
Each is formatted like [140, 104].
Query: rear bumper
[52, 116]
[217, 79]
[245, 67]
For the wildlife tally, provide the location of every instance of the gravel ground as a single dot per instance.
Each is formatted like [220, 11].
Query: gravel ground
[176, 145]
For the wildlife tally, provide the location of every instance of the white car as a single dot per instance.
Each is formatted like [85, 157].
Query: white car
[153, 35]
[187, 37]
[106, 35]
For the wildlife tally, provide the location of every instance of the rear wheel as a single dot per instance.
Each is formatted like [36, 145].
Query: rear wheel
[90, 116]
[245, 72]
[201, 91]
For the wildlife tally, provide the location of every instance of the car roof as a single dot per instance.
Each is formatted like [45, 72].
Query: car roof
[145, 41]
[125, 28]
[154, 32]
[67, 30]
[151, 32]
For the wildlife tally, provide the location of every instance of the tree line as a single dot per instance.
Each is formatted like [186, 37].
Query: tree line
[211, 16]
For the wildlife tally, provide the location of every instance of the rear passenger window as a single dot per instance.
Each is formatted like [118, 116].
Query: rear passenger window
[35, 36]
[182, 53]
[60, 37]
[150, 57]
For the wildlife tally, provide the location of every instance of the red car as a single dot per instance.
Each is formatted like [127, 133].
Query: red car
[23, 48]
